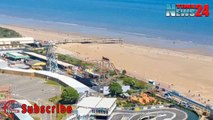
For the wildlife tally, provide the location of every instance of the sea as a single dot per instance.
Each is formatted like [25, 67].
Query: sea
[134, 21]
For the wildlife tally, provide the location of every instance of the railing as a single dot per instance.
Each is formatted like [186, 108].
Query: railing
[140, 108]
[101, 41]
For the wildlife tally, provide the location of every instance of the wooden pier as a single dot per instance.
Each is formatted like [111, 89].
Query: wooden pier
[88, 41]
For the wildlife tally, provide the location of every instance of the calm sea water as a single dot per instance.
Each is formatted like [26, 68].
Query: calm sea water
[139, 21]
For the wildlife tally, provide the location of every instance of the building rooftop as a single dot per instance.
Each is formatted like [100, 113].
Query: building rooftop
[106, 103]
[83, 111]
[16, 55]
[80, 87]
[89, 102]
[22, 116]
[24, 39]
[44, 58]
[72, 117]
[96, 102]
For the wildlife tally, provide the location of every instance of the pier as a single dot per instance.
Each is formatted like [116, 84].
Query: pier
[88, 41]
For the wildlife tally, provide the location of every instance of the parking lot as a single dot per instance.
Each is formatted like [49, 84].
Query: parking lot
[32, 89]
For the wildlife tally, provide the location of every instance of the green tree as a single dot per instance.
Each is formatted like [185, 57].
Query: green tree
[130, 91]
[123, 72]
[115, 89]
[69, 95]
[8, 33]
[129, 82]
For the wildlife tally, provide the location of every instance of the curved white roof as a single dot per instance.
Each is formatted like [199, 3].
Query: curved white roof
[80, 87]
[44, 58]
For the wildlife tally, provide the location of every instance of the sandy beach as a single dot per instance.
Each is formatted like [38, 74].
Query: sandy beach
[186, 71]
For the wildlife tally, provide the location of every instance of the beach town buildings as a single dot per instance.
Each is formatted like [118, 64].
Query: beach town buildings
[10, 43]
[97, 107]
[16, 56]
[211, 112]
[100, 106]
[20, 115]
[211, 115]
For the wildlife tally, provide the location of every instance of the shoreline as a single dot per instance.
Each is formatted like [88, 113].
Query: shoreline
[99, 32]
[187, 71]
[190, 51]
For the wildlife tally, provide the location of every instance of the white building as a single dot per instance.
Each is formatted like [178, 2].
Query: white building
[98, 106]
[211, 112]
[81, 114]
[6, 43]
[20, 115]
[80, 87]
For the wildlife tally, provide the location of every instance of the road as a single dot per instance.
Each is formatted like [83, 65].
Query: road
[155, 114]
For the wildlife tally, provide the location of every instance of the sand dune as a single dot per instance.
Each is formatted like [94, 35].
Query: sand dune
[186, 71]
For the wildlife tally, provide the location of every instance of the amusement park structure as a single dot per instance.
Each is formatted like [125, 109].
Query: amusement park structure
[103, 68]
[52, 64]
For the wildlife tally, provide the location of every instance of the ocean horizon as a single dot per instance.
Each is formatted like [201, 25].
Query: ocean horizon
[135, 21]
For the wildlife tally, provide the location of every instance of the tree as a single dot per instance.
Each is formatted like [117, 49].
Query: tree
[115, 89]
[8, 33]
[69, 95]
[123, 72]
[129, 82]
[130, 91]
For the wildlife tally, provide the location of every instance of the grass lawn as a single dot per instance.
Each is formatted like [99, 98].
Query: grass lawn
[133, 82]
[40, 51]
[60, 116]
[51, 82]
[72, 60]
[65, 58]
[36, 118]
